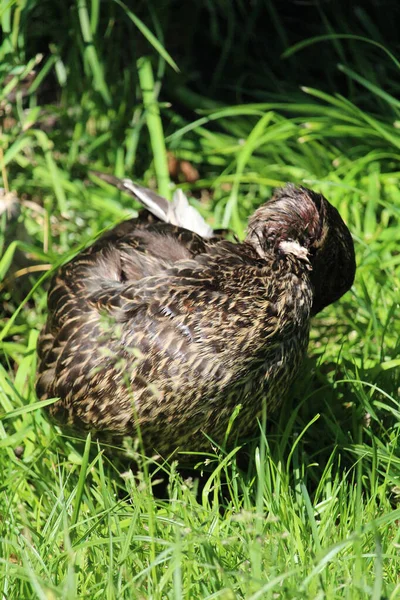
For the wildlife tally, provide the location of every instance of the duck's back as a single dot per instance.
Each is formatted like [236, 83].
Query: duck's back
[90, 285]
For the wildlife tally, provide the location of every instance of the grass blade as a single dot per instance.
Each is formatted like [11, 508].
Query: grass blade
[81, 481]
[151, 38]
[154, 125]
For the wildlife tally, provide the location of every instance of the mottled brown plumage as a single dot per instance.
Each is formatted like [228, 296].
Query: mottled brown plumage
[154, 326]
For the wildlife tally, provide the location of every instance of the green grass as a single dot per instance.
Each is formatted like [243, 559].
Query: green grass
[252, 99]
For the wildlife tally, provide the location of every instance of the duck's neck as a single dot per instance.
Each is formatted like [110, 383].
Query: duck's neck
[294, 292]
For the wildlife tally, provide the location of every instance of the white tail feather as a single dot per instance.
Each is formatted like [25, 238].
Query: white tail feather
[156, 204]
[188, 217]
[178, 212]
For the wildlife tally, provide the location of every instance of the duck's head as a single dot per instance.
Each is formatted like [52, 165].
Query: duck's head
[301, 222]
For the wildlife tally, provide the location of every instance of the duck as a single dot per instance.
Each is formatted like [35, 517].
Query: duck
[163, 331]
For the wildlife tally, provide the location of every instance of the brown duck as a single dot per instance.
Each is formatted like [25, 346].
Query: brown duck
[161, 327]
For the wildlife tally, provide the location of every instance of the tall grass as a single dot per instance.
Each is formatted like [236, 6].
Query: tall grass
[243, 100]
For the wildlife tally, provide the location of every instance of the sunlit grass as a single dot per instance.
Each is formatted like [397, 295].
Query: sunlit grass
[309, 510]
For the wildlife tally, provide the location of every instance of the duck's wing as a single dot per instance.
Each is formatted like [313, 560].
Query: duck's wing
[178, 212]
[128, 253]
[139, 248]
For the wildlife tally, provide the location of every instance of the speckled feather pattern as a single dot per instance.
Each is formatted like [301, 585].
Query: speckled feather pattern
[155, 327]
